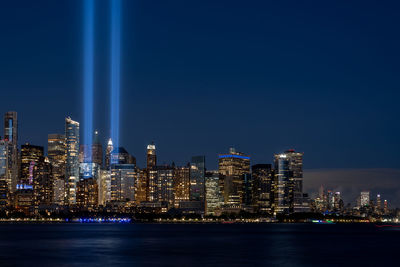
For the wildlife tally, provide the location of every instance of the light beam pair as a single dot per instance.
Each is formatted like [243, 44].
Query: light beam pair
[88, 79]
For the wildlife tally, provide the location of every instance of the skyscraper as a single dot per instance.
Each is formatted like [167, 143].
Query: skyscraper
[72, 160]
[56, 148]
[43, 184]
[165, 175]
[151, 158]
[109, 149]
[5, 179]
[4, 164]
[197, 173]
[97, 150]
[11, 127]
[213, 199]
[181, 184]
[233, 166]
[282, 190]
[263, 193]
[296, 167]
[11, 135]
[123, 182]
[31, 157]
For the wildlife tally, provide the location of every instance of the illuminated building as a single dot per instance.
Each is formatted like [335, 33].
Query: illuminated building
[109, 149]
[72, 159]
[104, 187]
[364, 199]
[197, 173]
[97, 150]
[123, 182]
[152, 185]
[5, 176]
[282, 190]
[5, 179]
[31, 157]
[165, 185]
[59, 192]
[57, 157]
[151, 174]
[233, 167]
[4, 195]
[262, 175]
[378, 208]
[87, 194]
[43, 184]
[24, 199]
[296, 167]
[385, 207]
[11, 135]
[213, 199]
[181, 184]
[141, 186]
[151, 158]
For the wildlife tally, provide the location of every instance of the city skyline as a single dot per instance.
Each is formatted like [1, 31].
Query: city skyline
[341, 106]
[101, 154]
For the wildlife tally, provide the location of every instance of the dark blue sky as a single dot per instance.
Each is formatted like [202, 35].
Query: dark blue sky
[200, 76]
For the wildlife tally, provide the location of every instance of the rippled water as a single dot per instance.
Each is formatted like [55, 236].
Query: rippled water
[197, 245]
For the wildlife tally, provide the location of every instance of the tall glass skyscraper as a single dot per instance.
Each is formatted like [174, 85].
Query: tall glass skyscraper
[282, 184]
[72, 161]
[11, 135]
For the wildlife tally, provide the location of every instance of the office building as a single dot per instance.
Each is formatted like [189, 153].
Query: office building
[282, 184]
[151, 158]
[182, 184]
[11, 135]
[87, 197]
[31, 157]
[213, 197]
[104, 183]
[165, 185]
[123, 182]
[97, 150]
[263, 193]
[72, 159]
[43, 184]
[233, 166]
[109, 149]
[56, 149]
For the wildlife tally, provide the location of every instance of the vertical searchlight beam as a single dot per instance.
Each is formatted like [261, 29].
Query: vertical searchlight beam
[88, 73]
[115, 69]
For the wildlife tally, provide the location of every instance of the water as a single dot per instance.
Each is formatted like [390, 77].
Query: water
[197, 245]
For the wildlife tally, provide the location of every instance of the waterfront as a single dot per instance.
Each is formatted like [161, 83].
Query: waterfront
[197, 244]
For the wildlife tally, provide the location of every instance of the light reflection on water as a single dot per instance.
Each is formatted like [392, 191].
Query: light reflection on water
[184, 244]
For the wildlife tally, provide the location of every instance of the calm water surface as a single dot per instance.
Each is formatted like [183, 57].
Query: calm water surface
[197, 245]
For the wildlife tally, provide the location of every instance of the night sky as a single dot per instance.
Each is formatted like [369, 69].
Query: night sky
[200, 76]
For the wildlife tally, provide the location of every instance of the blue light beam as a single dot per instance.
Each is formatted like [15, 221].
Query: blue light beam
[88, 72]
[115, 69]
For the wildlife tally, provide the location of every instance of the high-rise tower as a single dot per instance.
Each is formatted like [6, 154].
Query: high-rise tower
[151, 156]
[11, 135]
[72, 163]
[233, 167]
